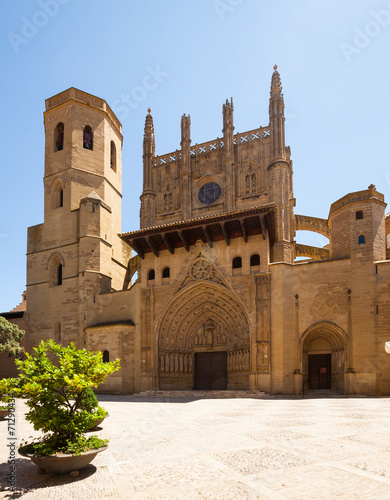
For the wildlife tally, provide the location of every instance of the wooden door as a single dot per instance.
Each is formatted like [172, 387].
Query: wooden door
[320, 371]
[211, 371]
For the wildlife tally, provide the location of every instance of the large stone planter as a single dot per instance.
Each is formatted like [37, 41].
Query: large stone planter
[61, 464]
[3, 413]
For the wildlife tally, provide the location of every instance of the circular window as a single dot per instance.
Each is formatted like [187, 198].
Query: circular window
[209, 193]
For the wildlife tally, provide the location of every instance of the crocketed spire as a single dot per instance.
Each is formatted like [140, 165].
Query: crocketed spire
[149, 129]
[276, 85]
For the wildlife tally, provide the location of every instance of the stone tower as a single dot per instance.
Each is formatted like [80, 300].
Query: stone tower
[76, 253]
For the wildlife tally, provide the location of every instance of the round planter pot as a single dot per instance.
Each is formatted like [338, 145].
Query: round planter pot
[61, 464]
[97, 422]
[3, 413]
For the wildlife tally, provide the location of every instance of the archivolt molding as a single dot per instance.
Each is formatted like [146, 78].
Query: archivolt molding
[333, 333]
[184, 324]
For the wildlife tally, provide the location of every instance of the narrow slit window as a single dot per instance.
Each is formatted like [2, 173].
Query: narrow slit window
[88, 138]
[113, 156]
[59, 275]
[59, 137]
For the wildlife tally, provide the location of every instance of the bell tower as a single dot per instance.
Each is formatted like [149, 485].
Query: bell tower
[76, 253]
[83, 146]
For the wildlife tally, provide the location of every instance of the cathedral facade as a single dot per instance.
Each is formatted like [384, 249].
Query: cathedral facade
[208, 293]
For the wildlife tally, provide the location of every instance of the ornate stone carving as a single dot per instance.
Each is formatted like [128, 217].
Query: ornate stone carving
[209, 334]
[238, 360]
[184, 324]
[201, 269]
[175, 362]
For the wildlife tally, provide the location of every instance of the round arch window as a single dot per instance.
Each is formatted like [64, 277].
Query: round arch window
[209, 193]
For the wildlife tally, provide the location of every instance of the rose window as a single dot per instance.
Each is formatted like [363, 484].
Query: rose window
[201, 269]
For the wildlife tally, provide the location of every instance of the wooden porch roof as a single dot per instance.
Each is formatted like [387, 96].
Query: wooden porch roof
[242, 223]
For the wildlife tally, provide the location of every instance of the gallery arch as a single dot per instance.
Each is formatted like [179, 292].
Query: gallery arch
[204, 341]
[324, 357]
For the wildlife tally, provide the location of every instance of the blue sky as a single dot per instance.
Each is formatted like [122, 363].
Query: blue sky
[333, 57]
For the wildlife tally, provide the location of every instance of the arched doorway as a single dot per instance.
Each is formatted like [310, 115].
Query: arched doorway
[324, 353]
[203, 340]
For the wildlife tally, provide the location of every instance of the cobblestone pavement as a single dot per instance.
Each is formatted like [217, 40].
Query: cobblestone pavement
[223, 449]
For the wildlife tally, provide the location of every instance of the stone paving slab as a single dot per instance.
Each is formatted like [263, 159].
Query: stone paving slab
[272, 449]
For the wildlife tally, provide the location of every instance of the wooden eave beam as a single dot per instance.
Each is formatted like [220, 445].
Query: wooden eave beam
[137, 247]
[263, 227]
[209, 237]
[183, 239]
[168, 243]
[225, 233]
[153, 246]
[243, 228]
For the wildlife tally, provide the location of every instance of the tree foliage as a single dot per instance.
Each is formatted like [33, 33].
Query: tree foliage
[55, 380]
[10, 337]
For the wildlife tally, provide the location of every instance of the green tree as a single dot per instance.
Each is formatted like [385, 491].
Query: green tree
[55, 380]
[10, 337]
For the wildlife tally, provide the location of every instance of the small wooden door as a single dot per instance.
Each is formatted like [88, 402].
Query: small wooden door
[320, 375]
[211, 371]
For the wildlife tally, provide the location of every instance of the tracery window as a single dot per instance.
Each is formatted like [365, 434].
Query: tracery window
[209, 193]
[168, 199]
[250, 182]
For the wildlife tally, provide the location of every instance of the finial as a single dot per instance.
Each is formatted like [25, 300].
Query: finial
[149, 111]
[275, 67]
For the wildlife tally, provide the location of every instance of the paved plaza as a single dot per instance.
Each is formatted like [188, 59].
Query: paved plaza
[224, 449]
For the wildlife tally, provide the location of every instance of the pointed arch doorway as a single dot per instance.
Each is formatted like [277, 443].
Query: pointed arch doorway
[204, 341]
[324, 357]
